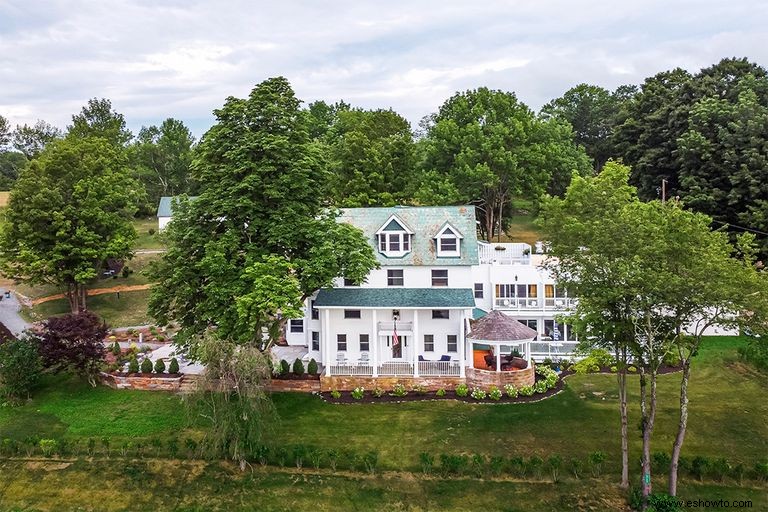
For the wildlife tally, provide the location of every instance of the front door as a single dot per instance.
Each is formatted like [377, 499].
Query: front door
[397, 348]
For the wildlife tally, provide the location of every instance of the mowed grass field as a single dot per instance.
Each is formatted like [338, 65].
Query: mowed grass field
[728, 413]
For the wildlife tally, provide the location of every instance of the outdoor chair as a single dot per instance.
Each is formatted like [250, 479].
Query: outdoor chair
[490, 361]
[421, 358]
[341, 358]
[445, 358]
[364, 357]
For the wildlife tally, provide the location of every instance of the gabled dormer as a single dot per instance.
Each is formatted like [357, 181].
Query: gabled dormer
[394, 238]
[448, 242]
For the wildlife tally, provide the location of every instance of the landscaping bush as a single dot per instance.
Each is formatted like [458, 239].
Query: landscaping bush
[419, 389]
[312, 367]
[173, 367]
[116, 349]
[127, 271]
[146, 365]
[159, 366]
[761, 471]
[478, 465]
[632, 369]
[427, 462]
[540, 387]
[48, 446]
[315, 457]
[335, 394]
[660, 462]
[699, 467]
[371, 462]
[510, 390]
[133, 365]
[333, 458]
[377, 392]
[534, 466]
[478, 394]
[596, 460]
[526, 390]
[737, 473]
[575, 467]
[462, 390]
[494, 393]
[285, 368]
[719, 469]
[496, 465]
[453, 464]
[298, 367]
[517, 466]
[299, 452]
[554, 464]
[20, 368]
[358, 393]
[662, 502]
[596, 359]
[440, 392]
[151, 231]
[755, 352]
[399, 390]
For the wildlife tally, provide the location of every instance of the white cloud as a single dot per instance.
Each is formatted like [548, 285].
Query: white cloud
[183, 58]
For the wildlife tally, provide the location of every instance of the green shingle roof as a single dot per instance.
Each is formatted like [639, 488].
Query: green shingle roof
[164, 209]
[396, 298]
[425, 222]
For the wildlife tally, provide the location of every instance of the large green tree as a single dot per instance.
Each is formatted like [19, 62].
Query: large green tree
[69, 211]
[32, 140]
[258, 240]
[484, 147]
[162, 156]
[593, 112]
[371, 158]
[11, 164]
[98, 119]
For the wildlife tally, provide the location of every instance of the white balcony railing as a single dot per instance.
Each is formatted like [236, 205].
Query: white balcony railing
[553, 349]
[504, 253]
[439, 368]
[402, 327]
[535, 304]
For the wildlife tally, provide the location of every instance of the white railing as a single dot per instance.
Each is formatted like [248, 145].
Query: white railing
[350, 369]
[504, 254]
[396, 368]
[439, 368]
[529, 304]
[401, 326]
[553, 349]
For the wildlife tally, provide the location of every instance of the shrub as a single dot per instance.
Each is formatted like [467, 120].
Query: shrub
[660, 461]
[127, 271]
[173, 447]
[462, 390]
[358, 393]
[174, 366]
[662, 502]
[399, 390]
[333, 458]
[554, 464]
[671, 359]
[478, 394]
[517, 466]
[153, 330]
[151, 231]
[335, 394]
[47, 446]
[20, 368]
[575, 467]
[478, 465]
[161, 338]
[146, 365]
[510, 390]
[719, 469]
[298, 367]
[419, 389]
[440, 392]
[312, 367]
[159, 366]
[377, 392]
[761, 471]
[316, 457]
[550, 377]
[534, 466]
[116, 349]
[285, 368]
[299, 453]
[737, 472]
[755, 352]
[371, 461]
[596, 460]
[614, 369]
[495, 393]
[427, 462]
[133, 365]
[453, 464]
[526, 390]
[632, 369]
[596, 359]
[699, 467]
[496, 465]
[540, 387]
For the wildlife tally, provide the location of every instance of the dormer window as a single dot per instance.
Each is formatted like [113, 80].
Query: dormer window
[394, 238]
[448, 241]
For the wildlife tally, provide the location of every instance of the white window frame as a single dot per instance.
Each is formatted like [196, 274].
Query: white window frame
[448, 232]
[294, 324]
[439, 278]
[429, 343]
[454, 342]
[394, 243]
[479, 290]
[390, 278]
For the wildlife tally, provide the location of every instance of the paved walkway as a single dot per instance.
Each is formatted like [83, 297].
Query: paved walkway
[9, 314]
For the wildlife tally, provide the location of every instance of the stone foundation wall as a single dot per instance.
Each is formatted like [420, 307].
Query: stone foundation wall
[140, 382]
[350, 382]
[306, 386]
[484, 378]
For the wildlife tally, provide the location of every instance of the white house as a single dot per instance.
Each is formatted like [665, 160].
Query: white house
[165, 211]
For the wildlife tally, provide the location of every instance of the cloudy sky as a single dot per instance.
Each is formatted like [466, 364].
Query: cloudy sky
[180, 58]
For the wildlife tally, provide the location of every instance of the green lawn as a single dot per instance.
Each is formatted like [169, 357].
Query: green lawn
[145, 240]
[728, 412]
[129, 310]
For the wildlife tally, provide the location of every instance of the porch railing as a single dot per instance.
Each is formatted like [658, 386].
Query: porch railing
[396, 368]
[553, 349]
[439, 368]
[363, 370]
[401, 326]
[529, 304]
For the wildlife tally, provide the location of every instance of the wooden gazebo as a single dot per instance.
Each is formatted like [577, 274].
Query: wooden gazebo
[497, 329]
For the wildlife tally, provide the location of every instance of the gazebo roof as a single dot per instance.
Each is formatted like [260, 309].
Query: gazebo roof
[498, 327]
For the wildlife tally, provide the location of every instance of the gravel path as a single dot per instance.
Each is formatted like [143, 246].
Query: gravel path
[9, 314]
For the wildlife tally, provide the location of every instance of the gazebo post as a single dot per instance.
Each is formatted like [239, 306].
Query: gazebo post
[528, 352]
[498, 358]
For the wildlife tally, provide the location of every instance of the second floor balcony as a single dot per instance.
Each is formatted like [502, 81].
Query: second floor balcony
[535, 303]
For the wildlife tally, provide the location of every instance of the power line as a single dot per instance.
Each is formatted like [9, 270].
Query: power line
[741, 227]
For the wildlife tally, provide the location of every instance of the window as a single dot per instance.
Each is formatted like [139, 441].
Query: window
[478, 290]
[394, 239]
[351, 313]
[554, 330]
[315, 340]
[448, 245]
[394, 242]
[533, 324]
[314, 311]
[440, 314]
[549, 291]
[429, 343]
[349, 282]
[341, 342]
[297, 325]
[365, 345]
[522, 291]
[440, 278]
[447, 241]
[395, 277]
[533, 290]
[453, 343]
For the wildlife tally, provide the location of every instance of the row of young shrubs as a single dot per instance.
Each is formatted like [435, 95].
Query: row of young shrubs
[462, 390]
[297, 369]
[553, 467]
[146, 366]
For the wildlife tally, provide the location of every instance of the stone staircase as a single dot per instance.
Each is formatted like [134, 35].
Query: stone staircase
[188, 383]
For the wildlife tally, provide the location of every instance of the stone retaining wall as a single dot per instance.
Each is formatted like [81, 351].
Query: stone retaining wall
[350, 382]
[484, 378]
[141, 382]
[306, 386]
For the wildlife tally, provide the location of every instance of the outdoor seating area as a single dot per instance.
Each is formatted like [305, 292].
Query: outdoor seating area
[509, 362]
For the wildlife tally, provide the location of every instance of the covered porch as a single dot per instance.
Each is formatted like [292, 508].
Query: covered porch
[499, 343]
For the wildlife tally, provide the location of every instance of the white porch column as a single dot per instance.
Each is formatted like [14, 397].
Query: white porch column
[528, 352]
[375, 341]
[415, 342]
[498, 358]
[327, 340]
[463, 343]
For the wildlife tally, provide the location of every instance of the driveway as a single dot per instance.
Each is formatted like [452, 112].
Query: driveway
[9, 314]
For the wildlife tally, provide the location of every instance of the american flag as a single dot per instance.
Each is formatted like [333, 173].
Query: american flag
[395, 340]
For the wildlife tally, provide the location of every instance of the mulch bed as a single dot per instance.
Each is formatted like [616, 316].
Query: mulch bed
[412, 396]
[148, 375]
